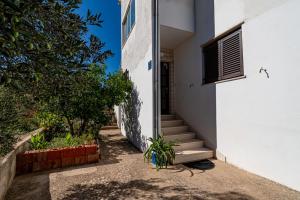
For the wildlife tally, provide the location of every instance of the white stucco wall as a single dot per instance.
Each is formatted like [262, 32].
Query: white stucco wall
[253, 123]
[136, 54]
[229, 13]
[258, 119]
[178, 14]
[195, 103]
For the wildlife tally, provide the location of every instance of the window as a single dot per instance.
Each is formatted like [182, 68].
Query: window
[223, 59]
[128, 22]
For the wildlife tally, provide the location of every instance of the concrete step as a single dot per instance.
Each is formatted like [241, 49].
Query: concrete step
[188, 144]
[191, 155]
[167, 117]
[170, 123]
[180, 137]
[174, 130]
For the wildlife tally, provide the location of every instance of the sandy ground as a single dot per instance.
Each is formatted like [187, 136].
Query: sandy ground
[122, 174]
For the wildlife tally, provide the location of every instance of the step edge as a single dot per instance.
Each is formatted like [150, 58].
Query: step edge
[200, 149]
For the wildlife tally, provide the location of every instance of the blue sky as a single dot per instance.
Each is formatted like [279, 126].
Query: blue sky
[110, 32]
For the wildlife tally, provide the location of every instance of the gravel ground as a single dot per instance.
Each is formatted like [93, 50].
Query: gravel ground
[122, 174]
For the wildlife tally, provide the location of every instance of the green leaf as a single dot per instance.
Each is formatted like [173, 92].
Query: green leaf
[30, 46]
[16, 34]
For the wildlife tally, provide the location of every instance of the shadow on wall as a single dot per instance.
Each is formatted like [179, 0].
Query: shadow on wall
[198, 107]
[206, 24]
[130, 112]
[145, 189]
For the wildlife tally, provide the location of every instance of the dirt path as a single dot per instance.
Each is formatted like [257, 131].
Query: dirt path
[122, 174]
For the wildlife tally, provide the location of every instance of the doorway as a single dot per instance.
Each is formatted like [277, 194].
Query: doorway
[165, 87]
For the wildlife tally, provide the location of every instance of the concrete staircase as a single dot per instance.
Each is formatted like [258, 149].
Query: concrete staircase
[188, 148]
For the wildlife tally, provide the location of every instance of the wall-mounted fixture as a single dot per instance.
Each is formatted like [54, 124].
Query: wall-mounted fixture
[150, 65]
[264, 70]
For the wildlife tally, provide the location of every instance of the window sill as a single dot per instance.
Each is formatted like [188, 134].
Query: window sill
[227, 80]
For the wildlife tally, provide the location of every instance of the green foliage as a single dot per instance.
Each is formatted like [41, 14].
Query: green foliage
[6, 142]
[47, 119]
[15, 118]
[39, 39]
[164, 152]
[118, 88]
[87, 96]
[70, 141]
[48, 66]
[38, 141]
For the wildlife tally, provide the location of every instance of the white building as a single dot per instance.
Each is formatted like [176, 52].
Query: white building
[227, 80]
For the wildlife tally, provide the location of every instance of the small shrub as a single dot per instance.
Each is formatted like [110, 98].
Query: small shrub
[38, 141]
[53, 123]
[71, 141]
[48, 119]
[87, 138]
[164, 152]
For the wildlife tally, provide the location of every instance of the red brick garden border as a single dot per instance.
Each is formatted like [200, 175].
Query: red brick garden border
[34, 161]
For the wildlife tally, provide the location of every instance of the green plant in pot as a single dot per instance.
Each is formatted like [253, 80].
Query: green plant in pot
[160, 152]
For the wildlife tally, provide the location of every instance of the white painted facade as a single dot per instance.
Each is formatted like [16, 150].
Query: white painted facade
[170, 17]
[252, 122]
[136, 54]
[262, 133]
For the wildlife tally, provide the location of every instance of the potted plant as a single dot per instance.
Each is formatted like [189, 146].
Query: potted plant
[160, 152]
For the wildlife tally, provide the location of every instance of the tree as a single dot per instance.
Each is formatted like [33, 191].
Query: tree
[45, 60]
[86, 96]
[42, 41]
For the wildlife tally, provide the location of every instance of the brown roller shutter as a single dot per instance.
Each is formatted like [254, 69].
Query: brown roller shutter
[231, 56]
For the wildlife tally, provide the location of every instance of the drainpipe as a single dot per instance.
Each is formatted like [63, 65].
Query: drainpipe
[156, 67]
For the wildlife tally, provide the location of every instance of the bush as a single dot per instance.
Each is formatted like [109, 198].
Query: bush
[15, 118]
[54, 124]
[48, 119]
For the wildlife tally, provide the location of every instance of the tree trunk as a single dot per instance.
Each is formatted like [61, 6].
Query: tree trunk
[82, 126]
[71, 126]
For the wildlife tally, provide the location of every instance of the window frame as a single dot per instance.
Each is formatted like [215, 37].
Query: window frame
[127, 22]
[218, 41]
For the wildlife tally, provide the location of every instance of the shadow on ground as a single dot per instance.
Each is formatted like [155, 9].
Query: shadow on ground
[27, 187]
[122, 174]
[145, 189]
[113, 146]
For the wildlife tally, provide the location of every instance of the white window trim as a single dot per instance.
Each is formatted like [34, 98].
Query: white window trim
[124, 41]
